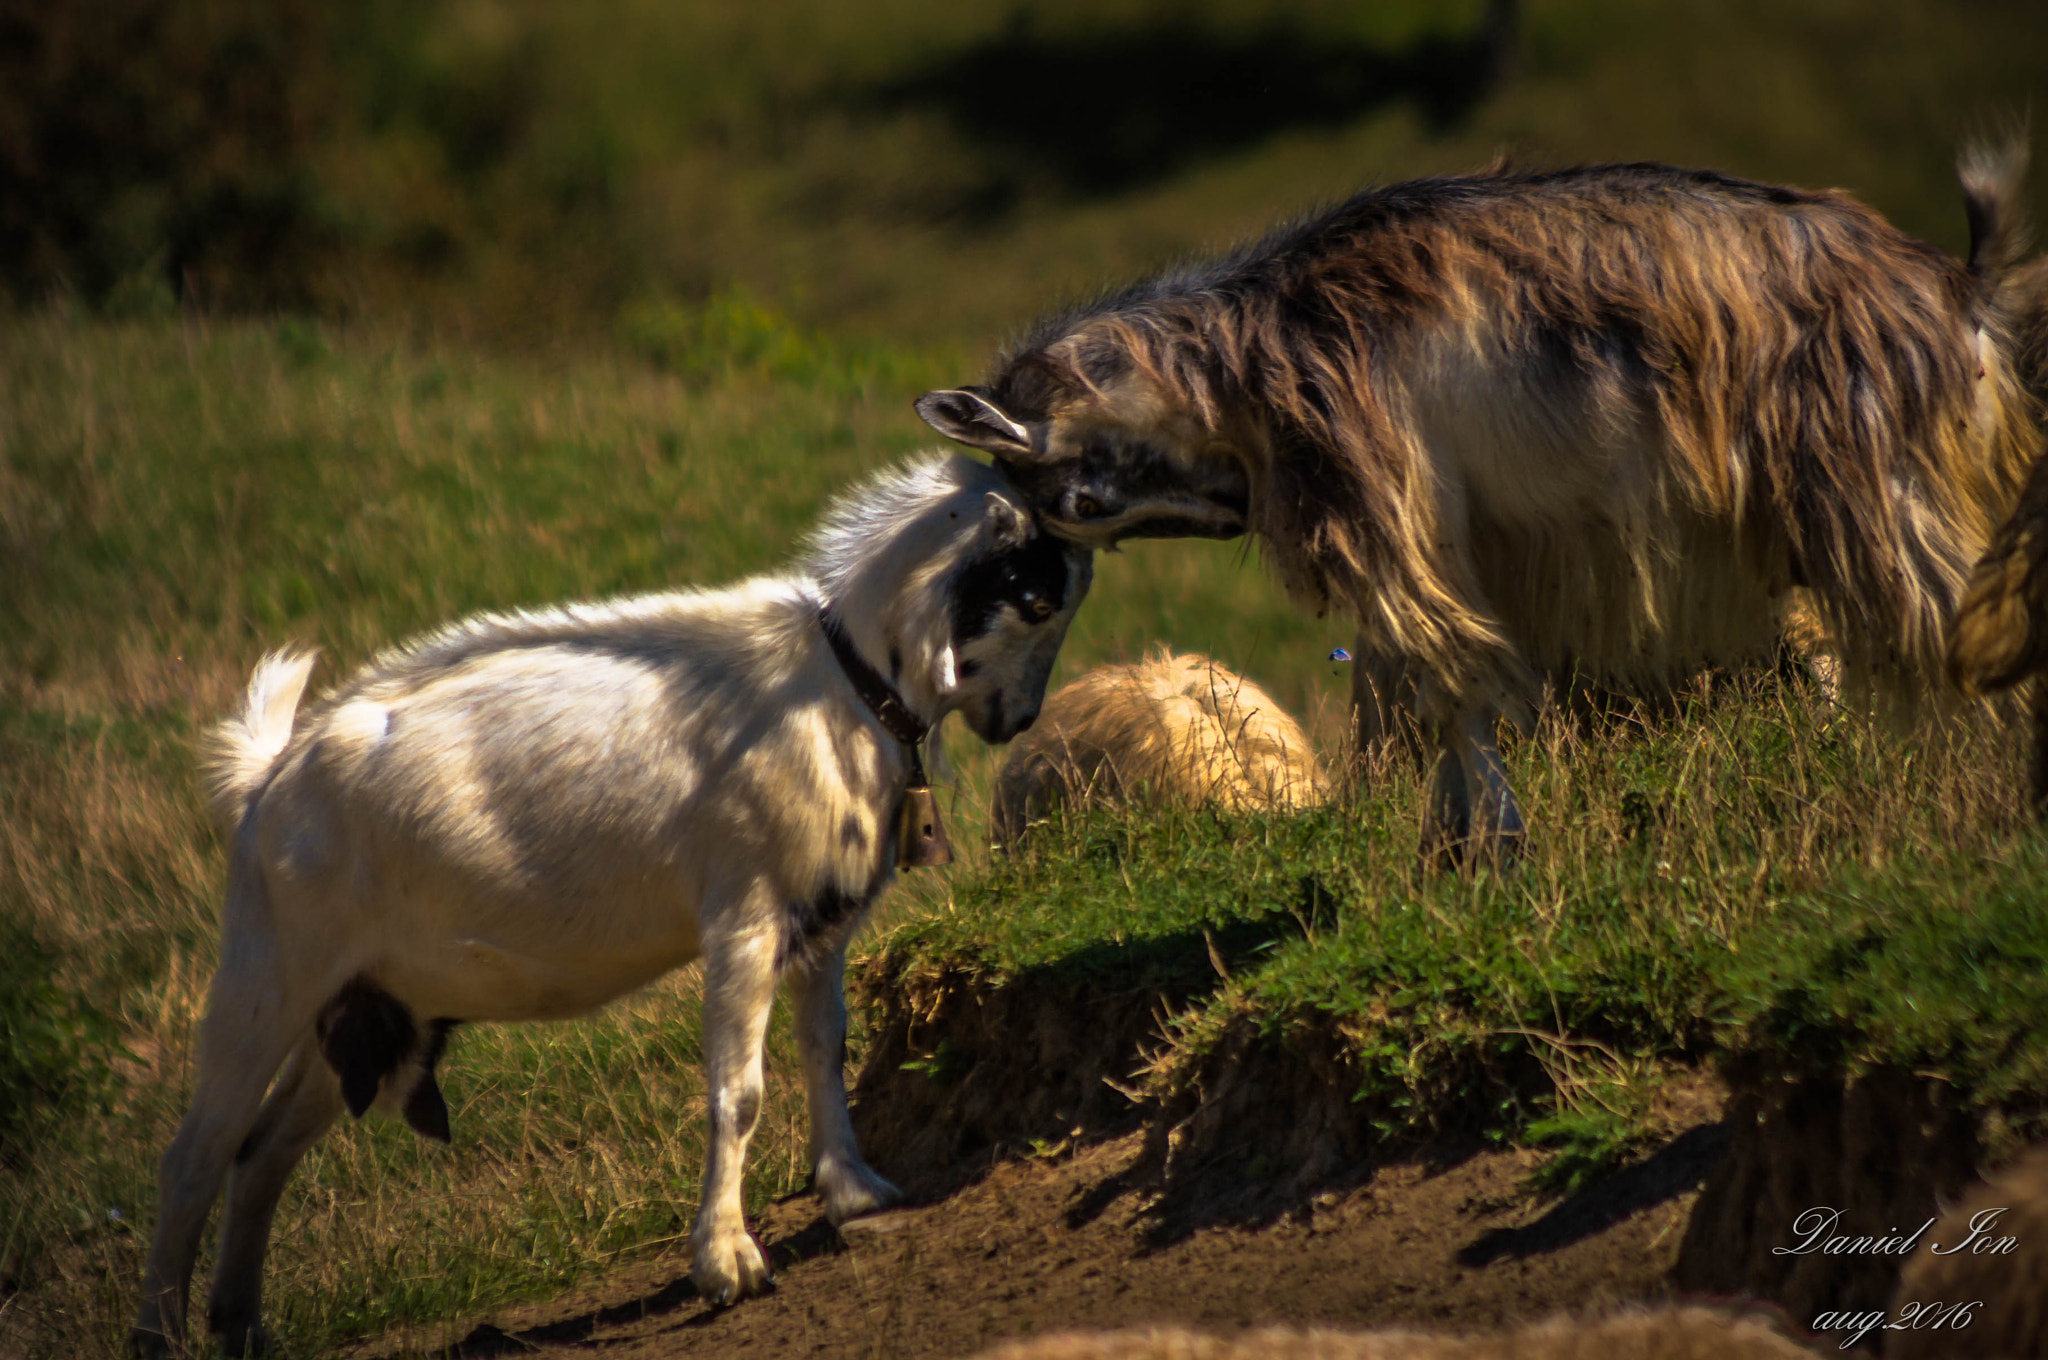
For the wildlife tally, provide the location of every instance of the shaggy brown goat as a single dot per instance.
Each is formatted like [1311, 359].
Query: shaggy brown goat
[2000, 635]
[1957, 1265]
[1594, 421]
[1675, 1334]
[1998, 638]
[1172, 729]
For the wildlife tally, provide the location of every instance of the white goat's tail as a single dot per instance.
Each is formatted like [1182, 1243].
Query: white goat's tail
[240, 750]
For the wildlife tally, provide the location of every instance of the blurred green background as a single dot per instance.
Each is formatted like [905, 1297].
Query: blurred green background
[523, 171]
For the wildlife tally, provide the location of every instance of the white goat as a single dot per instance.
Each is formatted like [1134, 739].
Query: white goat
[523, 816]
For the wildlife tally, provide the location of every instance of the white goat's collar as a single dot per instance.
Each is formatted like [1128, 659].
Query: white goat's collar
[920, 835]
[876, 692]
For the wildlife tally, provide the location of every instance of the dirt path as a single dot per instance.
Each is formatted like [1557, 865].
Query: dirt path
[1037, 1246]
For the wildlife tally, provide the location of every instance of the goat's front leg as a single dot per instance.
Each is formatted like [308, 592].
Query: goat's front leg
[1383, 693]
[1472, 816]
[847, 1184]
[739, 990]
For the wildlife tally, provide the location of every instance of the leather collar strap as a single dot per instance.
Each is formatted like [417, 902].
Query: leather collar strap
[877, 693]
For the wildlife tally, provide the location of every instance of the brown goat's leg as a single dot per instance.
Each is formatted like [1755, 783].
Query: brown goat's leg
[1383, 694]
[1471, 818]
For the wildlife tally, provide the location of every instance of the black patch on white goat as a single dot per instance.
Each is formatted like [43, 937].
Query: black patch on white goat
[366, 1034]
[1018, 577]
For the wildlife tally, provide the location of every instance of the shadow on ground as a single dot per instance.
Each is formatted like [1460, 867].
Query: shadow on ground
[1675, 1169]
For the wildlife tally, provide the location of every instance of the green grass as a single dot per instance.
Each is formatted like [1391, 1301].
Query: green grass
[1760, 874]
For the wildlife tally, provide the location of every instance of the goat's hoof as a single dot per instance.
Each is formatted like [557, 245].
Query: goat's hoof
[148, 1344]
[1469, 853]
[850, 1190]
[729, 1268]
[238, 1328]
[243, 1339]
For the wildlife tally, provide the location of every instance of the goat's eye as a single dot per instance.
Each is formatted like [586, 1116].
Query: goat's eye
[1085, 507]
[1036, 605]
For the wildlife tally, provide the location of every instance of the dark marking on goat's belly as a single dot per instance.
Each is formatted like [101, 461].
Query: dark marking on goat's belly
[828, 911]
[852, 835]
[834, 906]
[425, 1109]
[366, 1034]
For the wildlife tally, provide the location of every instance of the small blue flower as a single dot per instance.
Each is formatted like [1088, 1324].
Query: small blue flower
[1340, 655]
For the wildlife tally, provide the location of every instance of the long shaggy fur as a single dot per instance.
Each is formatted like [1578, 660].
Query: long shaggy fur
[2010, 1289]
[1674, 1334]
[2000, 636]
[1593, 420]
[1171, 729]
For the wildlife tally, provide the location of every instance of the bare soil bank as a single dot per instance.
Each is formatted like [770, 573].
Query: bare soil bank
[1054, 1194]
[1061, 1242]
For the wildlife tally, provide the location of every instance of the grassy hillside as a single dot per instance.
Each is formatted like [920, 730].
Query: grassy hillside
[1759, 876]
[711, 253]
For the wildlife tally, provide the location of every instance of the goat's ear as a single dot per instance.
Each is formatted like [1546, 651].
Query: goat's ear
[966, 414]
[1007, 525]
[946, 674]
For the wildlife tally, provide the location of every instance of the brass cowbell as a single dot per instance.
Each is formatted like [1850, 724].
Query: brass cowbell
[920, 835]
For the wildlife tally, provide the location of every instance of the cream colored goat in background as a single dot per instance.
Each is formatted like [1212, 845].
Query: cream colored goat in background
[1964, 1263]
[1673, 1334]
[524, 816]
[1176, 729]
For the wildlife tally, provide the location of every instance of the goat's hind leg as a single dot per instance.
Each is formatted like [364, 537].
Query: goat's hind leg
[848, 1185]
[302, 1107]
[246, 1034]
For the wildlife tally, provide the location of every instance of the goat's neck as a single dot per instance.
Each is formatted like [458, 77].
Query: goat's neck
[903, 665]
